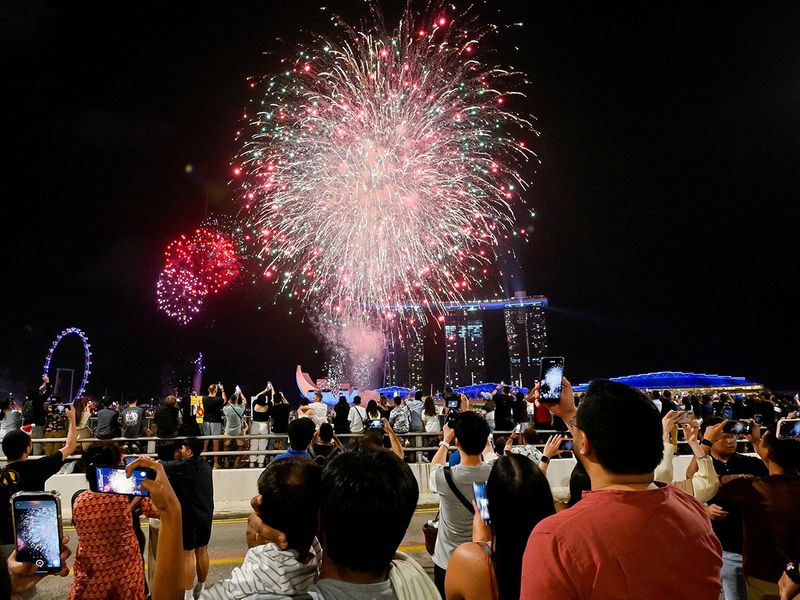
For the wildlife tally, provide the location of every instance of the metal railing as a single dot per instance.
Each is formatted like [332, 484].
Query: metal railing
[415, 443]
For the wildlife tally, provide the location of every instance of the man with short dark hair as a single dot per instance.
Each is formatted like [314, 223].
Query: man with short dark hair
[415, 406]
[284, 555]
[192, 480]
[131, 419]
[454, 486]
[107, 421]
[301, 431]
[726, 517]
[400, 416]
[22, 474]
[603, 547]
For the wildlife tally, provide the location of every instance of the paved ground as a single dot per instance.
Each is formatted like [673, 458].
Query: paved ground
[228, 547]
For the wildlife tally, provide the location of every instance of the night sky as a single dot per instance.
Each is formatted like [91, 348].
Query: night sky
[666, 201]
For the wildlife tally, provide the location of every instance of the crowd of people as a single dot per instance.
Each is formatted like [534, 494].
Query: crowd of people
[329, 516]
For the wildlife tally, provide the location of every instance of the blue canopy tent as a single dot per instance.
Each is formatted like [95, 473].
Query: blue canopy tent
[678, 380]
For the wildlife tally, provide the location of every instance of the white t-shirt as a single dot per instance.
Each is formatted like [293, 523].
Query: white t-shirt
[320, 415]
[431, 423]
[357, 416]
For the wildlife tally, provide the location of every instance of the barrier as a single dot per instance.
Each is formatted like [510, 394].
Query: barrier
[233, 488]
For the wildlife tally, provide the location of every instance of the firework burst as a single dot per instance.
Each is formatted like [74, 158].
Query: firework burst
[381, 170]
[194, 267]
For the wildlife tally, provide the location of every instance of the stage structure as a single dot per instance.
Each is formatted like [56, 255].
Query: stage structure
[465, 360]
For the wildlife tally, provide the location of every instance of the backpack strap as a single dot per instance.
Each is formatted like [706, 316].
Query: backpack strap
[448, 475]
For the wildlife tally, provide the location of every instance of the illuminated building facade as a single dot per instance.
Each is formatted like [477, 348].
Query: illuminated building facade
[465, 362]
[526, 333]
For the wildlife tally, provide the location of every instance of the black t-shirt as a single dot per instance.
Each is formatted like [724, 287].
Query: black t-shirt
[280, 417]
[212, 409]
[194, 486]
[166, 418]
[24, 476]
[729, 529]
[503, 406]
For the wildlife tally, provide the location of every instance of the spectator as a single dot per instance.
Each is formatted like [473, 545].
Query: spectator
[107, 421]
[131, 419]
[300, 433]
[703, 485]
[317, 411]
[55, 424]
[166, 418]
[189, 427]
[212, 417]
[430, 417]
[357, 416]
[379, 438]
[191, 478]
[107, 562]
[503, 408]
[770, 519]
[324, 444]
[726, 517]
[233, 411]
[373, 412]
[82, 416]
[34, 413]
[520, 409]
[10, 419]
[400, 417]
[23, 475]
[490, 566]
[382, 407]
[341, 419]
[579, 483]
[286, 558]
[580, 552]
[279, 413]
[488, 409]
[415, 407]
[528, 448]
[260, 424]
[454, 486]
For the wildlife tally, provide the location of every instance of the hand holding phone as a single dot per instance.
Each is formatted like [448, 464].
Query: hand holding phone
[479, 489]
[738, 427]
[375, 424]
[788, 429]
[37, 530]
[114, 480]
[551, 376]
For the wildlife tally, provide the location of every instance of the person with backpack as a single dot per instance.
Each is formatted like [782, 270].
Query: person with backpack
[357, 416]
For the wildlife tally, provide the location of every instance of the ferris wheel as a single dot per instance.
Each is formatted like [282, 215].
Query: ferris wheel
[87, 357]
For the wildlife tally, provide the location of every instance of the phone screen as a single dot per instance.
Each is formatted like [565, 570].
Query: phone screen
[519, 428]
[566, 445]
[738, 427]
[758, 418]
[113, 480]
[552, 372]
[788, 429]
[129, 459]
[375, 424]
[479, 487]
[453, 404]
[36, 525]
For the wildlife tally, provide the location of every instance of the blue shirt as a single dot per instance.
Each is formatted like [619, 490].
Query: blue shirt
[291, 452]
[455, 459]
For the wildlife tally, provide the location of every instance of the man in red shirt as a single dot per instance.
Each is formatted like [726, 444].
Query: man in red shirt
[629, 537]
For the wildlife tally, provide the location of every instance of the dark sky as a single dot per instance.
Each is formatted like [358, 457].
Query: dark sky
[666, 229]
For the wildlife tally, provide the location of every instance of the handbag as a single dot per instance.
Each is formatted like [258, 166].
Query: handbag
[430, 530]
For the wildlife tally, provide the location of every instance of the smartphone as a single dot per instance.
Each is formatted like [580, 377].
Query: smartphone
[37, 529]
[758, 418]
[114, 480]
[60, 409]
[738, 427]
[453, 404]
[520, 427]
[788, 429]
[684, 416]
[129, 459]
[375, 424]
[550, 375]
[479, 488]
[568, 444]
